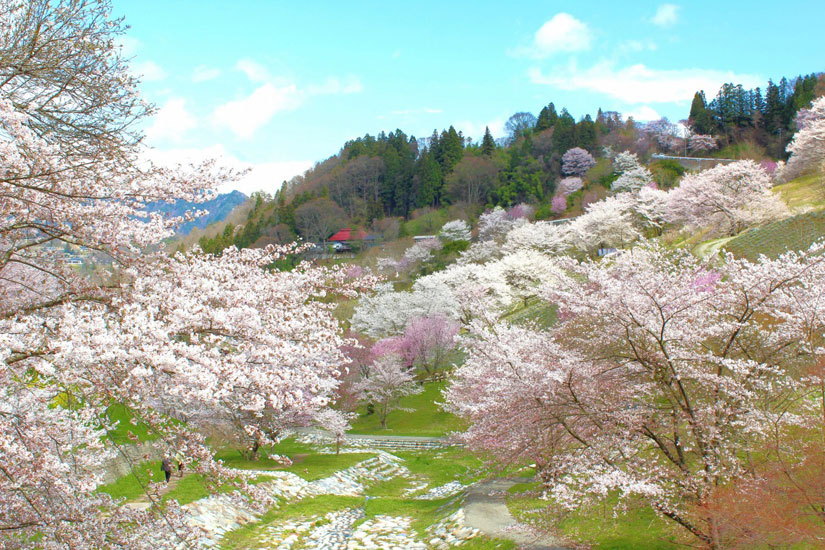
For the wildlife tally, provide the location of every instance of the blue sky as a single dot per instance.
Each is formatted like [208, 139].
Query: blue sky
[275, 86]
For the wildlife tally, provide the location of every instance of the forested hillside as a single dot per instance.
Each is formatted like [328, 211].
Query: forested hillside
[551, 161]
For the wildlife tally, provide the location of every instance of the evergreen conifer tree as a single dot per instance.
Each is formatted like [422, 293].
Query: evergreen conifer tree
[488, 145]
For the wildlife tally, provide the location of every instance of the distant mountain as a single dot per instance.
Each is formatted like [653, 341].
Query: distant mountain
[218, 208]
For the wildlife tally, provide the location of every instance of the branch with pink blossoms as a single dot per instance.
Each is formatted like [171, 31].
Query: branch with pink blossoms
[661, 377]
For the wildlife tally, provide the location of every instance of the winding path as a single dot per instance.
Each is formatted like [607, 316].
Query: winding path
[485, 509]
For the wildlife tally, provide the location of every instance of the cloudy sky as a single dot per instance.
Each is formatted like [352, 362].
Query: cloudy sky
[278, 85]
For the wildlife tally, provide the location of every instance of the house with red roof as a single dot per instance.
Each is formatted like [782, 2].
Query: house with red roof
[345, 239]
[348, 234]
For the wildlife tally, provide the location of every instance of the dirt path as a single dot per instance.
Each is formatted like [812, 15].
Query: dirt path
[143, 502]
[486, 510]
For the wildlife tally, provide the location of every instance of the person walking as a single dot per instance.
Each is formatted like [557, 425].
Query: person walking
[179, 462]
[166, 466]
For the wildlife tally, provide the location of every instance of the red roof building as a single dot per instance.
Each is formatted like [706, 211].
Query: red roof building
[347, 234]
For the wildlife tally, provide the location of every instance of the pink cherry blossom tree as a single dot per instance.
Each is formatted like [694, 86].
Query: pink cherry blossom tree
[808, 146]
[662, 377]
[559, 204]
[189, 338]
[727, 197]
[386, 384]
[570, 185]
[424, 344]
[702, 143]
[576, 162]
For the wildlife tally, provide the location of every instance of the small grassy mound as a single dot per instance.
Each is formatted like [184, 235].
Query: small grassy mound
[423, 418]
[796, 233]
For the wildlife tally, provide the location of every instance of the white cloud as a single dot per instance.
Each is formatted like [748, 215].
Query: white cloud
[148, 71]
[253, 70]
[643, 114]
[245, 116]
[269, 176]
[562, 33]
[266, 176]
[637, 84]
[666, 15]
[202, 73]
[171, 121]
[475, 130]
[334, 86]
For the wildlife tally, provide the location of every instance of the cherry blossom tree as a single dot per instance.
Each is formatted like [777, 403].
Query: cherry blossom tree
[424, 344]
[702, 142]
[625, 162]
[335, 422]
[559, 204]
[808, 146]
[663, 376]
[428, 340]
[521, 211]
[262, 361]
[632, 180]
[386, 384]
[577, 161]
[421, 251]
[541, 236]
[607, 223]
[727, 197]
[650, 206]
[168, 338]
[455, 230]
[570, 185]
[494, 224]
[387, 313]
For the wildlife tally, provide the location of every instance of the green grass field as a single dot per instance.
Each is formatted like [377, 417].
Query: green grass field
[639, 528]
[307, 463]
[805, 192]
[428, 223]
[424, 418]
[537, 312]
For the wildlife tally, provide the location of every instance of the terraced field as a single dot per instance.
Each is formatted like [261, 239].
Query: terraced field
[796, 233]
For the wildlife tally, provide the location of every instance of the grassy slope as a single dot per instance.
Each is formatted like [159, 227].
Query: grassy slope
[637, 529]
[806, 191]
[795, 233]
[536, 311]
[425, 417]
